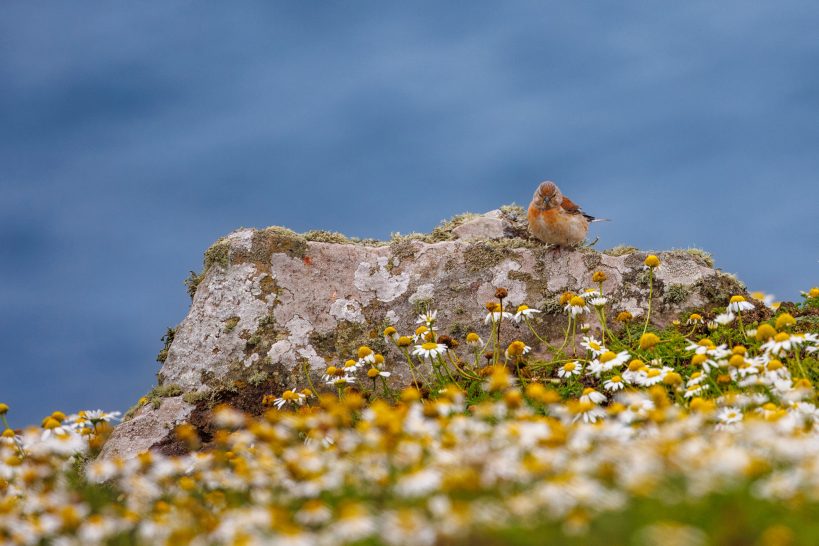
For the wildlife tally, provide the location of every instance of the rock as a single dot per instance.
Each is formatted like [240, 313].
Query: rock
[274, 307]
[148, 426]
[488, 226]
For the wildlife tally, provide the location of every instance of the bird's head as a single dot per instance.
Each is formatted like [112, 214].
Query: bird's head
[547, 195]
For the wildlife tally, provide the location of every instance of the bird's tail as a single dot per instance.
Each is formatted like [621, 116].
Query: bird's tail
[592, 219]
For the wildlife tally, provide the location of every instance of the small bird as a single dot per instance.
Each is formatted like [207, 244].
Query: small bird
[555, 219]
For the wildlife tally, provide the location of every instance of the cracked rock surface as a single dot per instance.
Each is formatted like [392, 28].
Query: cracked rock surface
[273, 305]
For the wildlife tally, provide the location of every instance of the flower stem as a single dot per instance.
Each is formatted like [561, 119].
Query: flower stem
[306, 368]
[650, 294]
[412, 368]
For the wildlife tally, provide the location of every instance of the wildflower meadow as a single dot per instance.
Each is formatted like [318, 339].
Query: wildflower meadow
[705, 431]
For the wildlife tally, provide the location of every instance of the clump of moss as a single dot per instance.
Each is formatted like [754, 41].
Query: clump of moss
[443, 231]
[402, 246]
[194, 397]
[719, 287]
[551, 306]
[704, 256]
[484, 255]
[167, 339]
[230, 323]
[591, 260]
[620, 250]
[265, 335]
[700, 256]
[154, 397]
[513, 210]
[676, 293]
[322, 236]
[217, 254]
[258, 378]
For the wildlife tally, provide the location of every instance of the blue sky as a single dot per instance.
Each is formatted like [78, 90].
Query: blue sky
[135, 134]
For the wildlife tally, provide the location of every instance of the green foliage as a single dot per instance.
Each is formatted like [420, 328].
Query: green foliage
[167, 339]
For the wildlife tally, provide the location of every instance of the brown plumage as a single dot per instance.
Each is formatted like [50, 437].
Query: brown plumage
[556, 219]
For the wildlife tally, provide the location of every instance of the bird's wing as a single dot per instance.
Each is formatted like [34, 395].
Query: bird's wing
[573, 208]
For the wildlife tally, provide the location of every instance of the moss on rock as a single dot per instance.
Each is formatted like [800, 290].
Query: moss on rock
[676, 293]
[620, 250]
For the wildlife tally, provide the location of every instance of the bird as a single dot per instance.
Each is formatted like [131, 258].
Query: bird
[556, 219]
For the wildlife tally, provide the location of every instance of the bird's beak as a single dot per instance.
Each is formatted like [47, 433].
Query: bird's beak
[546, 200]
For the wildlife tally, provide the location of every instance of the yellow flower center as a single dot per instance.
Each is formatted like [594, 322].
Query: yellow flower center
[765, 331]
[774, 365]
[566, 297]
[429, 346]
[781, 336]
[607, 356]
[624, 316]
[472, 337]
[737, 299]
[785, 319]
[736, 361]
[577, 301]
[522, 308]
[652, 261]
[516, 348]
[648, 340]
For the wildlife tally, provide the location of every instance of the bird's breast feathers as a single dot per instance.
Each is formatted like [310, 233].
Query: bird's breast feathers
[558, 226]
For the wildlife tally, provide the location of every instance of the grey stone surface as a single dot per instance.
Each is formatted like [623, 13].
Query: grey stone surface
[274, 305]
[488, 226]
[146, 428]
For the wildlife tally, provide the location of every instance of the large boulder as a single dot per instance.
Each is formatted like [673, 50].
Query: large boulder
[273, 306]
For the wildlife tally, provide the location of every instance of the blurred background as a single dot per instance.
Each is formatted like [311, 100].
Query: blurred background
[132, 135]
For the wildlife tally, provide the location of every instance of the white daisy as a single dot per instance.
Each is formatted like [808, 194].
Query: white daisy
[739, 304]
[291, 396]
[725, 318]
[429, 350]
[728, 418]
[569, 369]
[614, 384]
[592, 345]
[427, 318]
[524, 312]
[593, 396]
[576, 306]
